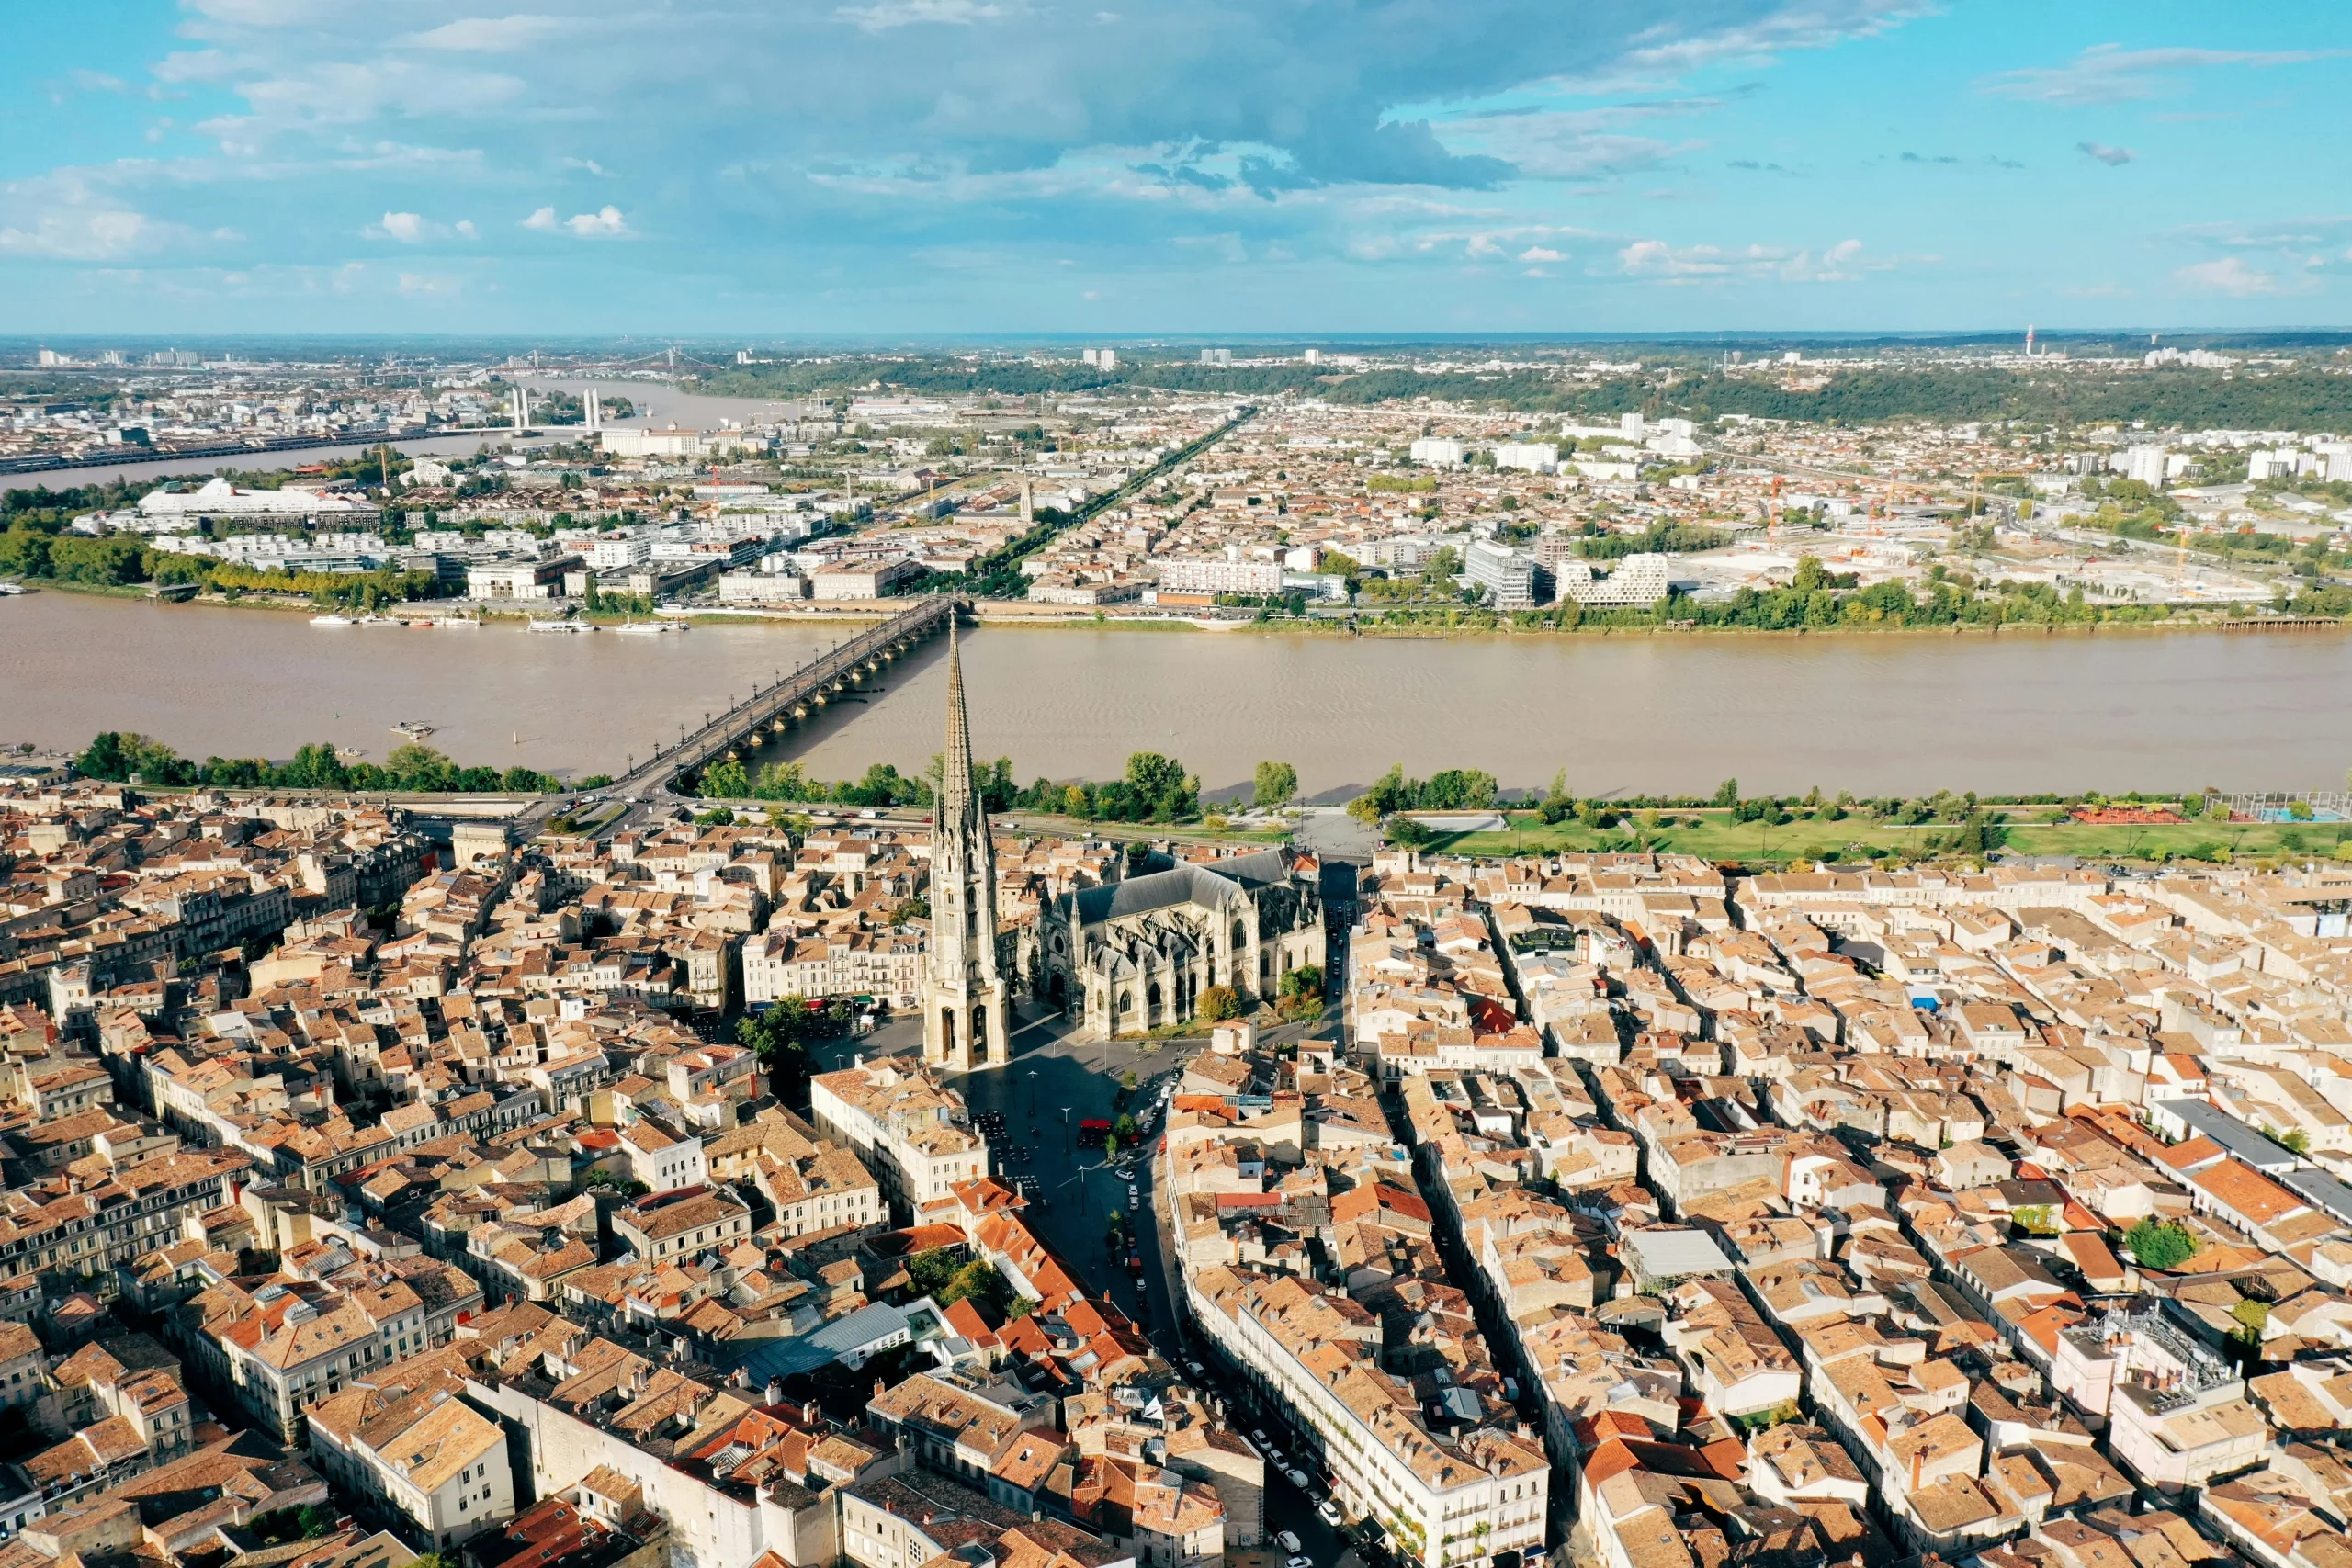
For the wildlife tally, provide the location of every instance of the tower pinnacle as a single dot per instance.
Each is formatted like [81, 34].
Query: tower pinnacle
[964, 990]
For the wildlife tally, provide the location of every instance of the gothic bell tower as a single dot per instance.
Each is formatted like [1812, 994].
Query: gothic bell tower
[964, 1023]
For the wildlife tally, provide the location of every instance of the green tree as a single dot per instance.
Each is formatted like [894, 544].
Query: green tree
[781, 1036]
[1556, 803]
[2253, 1318]
[1218, 1004]
[1727, 793]
[2160, 1245]
[413, 765]
[1307, 980]
[105, 758]
[1277, 783]
[726, 781]
[315, 766]
[1406, 831]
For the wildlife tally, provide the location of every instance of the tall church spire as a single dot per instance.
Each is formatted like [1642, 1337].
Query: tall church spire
[964, 989]
[955, 761]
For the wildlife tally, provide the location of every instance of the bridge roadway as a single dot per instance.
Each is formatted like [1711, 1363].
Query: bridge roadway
[773, 707]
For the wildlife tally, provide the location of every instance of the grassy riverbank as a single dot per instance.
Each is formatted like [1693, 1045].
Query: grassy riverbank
[1715, 836]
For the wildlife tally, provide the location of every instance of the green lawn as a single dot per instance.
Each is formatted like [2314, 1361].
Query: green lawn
[2031, 831]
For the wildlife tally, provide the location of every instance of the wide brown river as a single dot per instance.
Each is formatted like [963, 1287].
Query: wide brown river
[1875, 714]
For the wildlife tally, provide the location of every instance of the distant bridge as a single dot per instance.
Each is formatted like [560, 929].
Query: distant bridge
[772, 709]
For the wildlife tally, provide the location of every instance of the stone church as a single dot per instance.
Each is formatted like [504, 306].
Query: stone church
[1137, 953]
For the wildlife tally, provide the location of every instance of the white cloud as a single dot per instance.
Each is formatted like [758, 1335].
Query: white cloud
[2107, 73]
[607, 223]
[1542, 254]
[603, 224]
[194, 66]
[413, 229]
[314, 92]
[489, 35]
[78, 235]
[1841, 263]
[884, 15]
[65, 216]
[430, 283]
[2228, 275]
[2113, 157]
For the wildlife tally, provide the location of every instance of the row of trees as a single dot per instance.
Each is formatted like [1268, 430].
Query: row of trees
[128, 757]
[123, 561]
[1454, 789]
[1819, 600]
[1154, 789]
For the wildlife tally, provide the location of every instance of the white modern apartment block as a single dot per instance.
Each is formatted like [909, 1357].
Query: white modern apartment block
[1439, 452]
[1229, 575]
[614, 552]
[1531, 456]
[1635, 580]
[1513, 581]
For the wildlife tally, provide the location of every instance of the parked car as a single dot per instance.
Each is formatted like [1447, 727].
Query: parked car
[1298, 1479]
[1299, 1560]
[1289, 1541]
[1259, 1433]
[1328, 1511]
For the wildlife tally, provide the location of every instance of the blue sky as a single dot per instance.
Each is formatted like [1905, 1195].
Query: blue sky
[772, 167]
